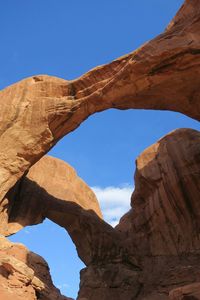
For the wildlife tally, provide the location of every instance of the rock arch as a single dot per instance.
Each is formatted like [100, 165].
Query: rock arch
[163, 74]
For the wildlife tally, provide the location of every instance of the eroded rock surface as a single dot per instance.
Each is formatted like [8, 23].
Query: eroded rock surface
[162, 74]
[24, 275]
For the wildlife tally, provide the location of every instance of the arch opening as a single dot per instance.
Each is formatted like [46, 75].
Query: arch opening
[104, 156]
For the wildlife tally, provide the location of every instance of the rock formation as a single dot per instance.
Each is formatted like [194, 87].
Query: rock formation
[162, 228]
[165, 218]
[24, 275]
[158, 236]
[27, 202]
[160, 233]
[153, 254]
[191, 291]
[162, 74]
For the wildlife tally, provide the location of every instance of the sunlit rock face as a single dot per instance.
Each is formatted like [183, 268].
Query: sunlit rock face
[153, 254]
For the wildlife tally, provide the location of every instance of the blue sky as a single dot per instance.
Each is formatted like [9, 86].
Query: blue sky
[66, 38]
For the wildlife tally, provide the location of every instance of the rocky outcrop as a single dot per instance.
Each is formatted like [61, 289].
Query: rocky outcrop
[38, 111]
[24, 275]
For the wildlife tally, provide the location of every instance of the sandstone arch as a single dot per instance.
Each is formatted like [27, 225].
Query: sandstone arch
[162, 74]
[160, 235]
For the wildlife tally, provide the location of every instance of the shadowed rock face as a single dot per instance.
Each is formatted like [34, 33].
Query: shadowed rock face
[162, 74]
[153, 254]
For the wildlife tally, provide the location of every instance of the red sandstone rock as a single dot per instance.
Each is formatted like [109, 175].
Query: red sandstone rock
[160, 232]
[154, 250]
[162, 228]
[24, 275]
[51, 189]
[166, 207]
[120, 260]
[26, 203]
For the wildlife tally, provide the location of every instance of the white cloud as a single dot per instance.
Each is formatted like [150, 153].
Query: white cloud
[114, 202]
